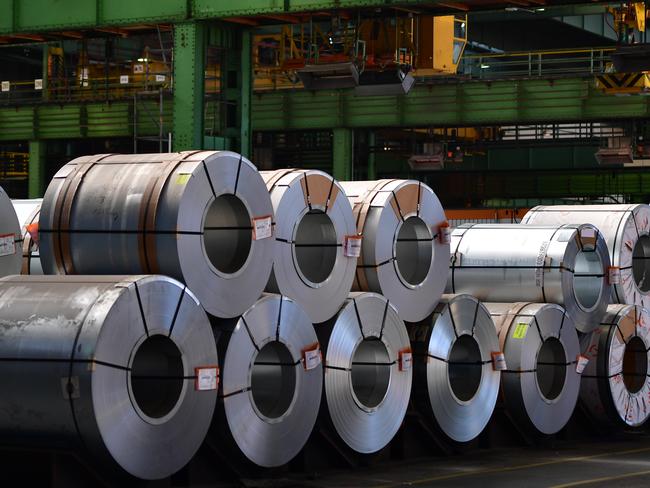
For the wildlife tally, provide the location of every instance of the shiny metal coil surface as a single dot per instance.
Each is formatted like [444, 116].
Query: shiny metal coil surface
[405, 247]
[615, 386]
[541, 384]
[564, 264]
[188, 215]
[626, 229]
[105, 365]
[368, 372]
[312, 220]
[455, 382]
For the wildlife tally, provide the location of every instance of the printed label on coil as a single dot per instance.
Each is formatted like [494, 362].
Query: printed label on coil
[262, 227]
[540, 263]
[352, 246]
[405, 360]
[183, 179]
[207, 378]
[311, 357]
[614, 275]
[444, 233]
[521, 329]
[7, 244]
[124, 79]
[499, 361]
[160, 78]
[38, 84]
[581, 363]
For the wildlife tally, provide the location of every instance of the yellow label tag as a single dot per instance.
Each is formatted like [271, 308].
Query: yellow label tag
[520, 331]
[182, 179]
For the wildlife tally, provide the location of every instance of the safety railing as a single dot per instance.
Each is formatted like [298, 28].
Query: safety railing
[80, 89]
[536, 63]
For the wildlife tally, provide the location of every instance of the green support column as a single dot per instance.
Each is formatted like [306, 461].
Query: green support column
[36, 169]
[44, 69]
[189, 61]
[246, 70]
[372, 169]
[342, 152]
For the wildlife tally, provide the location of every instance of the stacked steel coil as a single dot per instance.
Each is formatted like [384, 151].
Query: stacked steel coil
[405, 247]
[187, 215]
[626, 229]
[456, 378]
[616, 385]
[130, 369]
[368, 372]
[271, 381]
[119, 369]
[541, 382]
[565, 264]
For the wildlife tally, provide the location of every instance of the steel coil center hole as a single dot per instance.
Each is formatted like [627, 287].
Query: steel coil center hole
[273, 380]
[586, 282]
[635, 365]
[370, 373]
[641, 263]
[315, 246]
[465, 368]
[414, 250]
[227, 233]
[551, 368]
[157, 376]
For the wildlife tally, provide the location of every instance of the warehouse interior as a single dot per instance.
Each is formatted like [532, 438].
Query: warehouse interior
[382, 134]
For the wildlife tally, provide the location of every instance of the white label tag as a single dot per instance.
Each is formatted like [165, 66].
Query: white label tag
[614, 275]
[405, 360]
[38, 84]
[444, 233]
[138, 68]
[7, 244]
[352, 246]
[540, 263]
[581, 363]
[5, 86]
[499, 361]
[160, 78]
[311, 358]
[207, 378]
[262, 227]
[124, 79]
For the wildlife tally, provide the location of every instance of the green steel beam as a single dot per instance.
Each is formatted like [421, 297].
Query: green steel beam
[469, 104]
[461, 104]
[51, 15]
[342, 146]
[36, 169]
[246, 93]
[189, 62]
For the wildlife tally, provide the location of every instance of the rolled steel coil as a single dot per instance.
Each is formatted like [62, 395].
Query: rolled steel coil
[113, 367]
[626, 229]
[456, 381]
[405, 247]
[313, 219]
[615, 387]
[564, 264]
[28, 212]
[271, 382]
[541, 383]
[10, 237]
[368, 372]
[202, 217]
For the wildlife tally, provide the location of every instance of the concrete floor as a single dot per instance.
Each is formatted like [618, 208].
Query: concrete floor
[612, 463]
